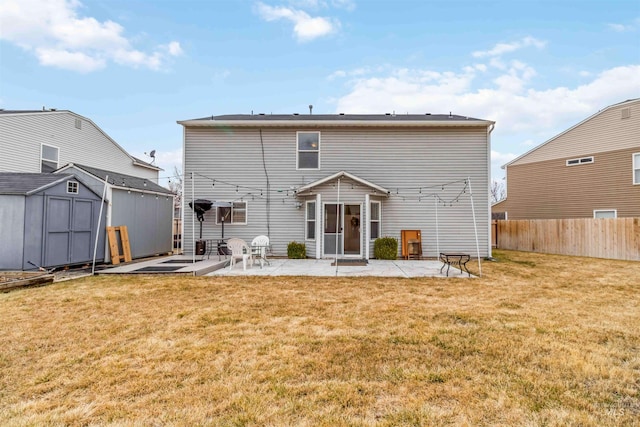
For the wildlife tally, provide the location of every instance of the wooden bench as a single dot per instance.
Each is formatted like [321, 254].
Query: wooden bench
[454, 258]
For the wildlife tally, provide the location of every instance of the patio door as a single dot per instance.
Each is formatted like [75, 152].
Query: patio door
[342, 230]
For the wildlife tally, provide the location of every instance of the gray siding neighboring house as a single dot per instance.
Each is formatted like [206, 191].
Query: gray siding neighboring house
[48, 220]
[44, 140]
[287, 173]
[142, 205]
[590, 170]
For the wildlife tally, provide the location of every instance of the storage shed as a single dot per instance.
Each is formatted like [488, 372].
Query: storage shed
[48, 220]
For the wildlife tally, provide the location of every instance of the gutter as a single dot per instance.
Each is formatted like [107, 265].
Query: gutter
[334, 123]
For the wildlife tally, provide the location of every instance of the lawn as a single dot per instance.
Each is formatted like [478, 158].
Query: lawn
[539, 340]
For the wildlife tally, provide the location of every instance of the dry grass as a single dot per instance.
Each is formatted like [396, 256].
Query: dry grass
[540, 340]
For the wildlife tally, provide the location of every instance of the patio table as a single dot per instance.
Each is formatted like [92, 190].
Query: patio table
[454, 258]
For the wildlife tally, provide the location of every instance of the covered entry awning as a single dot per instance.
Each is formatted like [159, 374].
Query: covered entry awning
[305, 190]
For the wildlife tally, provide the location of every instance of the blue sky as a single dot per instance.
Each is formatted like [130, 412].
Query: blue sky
[136, 67]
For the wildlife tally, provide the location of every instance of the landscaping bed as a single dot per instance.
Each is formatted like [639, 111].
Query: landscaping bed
[19, 279]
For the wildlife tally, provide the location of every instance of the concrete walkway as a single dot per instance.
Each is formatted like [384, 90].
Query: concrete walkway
[323, 267]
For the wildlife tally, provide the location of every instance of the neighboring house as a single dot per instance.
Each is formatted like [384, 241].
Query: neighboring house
[591, 170]
[338, 182]
[48, 220]
[45, 140]
[142, 205]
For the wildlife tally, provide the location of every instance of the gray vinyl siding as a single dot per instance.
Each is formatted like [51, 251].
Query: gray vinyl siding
[21, 136]
[392, 158]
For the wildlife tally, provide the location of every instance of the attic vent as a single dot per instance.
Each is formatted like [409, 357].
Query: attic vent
[78, 124]
[626, 113]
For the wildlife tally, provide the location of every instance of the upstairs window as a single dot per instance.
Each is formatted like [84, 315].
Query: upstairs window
[636, 168]
[48, 158]
[308, 150]
[580, 161]
[234, 214]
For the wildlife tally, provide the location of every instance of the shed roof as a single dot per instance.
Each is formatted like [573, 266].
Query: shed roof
[20, 183]
[121, 180]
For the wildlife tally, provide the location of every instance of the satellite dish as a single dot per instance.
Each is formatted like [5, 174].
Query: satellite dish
[152, 154]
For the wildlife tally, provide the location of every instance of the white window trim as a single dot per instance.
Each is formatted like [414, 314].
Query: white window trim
[298, 151]
[379, 220]
[636, 167]
[57, 162]
[77, 187]
[230, 222]
[615, 212]
[306, 221]
[580, 161]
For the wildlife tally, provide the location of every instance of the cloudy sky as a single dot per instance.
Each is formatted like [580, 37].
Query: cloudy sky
[136, 67]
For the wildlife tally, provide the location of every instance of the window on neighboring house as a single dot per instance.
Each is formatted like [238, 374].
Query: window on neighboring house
[636, 168]
[580, 161]
[311, 221]
[48, 158]
[374, 221]
[308, 150]
[234, 214]
[72, 187]
[605, 213]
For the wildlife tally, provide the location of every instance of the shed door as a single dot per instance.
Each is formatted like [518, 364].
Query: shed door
[68, 231]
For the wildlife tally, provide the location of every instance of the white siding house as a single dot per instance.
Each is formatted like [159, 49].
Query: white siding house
[45, 140]
[291, 176]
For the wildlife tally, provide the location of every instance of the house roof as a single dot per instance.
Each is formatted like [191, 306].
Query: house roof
[20, 183]
[121, 180]
[628, 101]
[370, 120]
[135, 161]
[342, 174]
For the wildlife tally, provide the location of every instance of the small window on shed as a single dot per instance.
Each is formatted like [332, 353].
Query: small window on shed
[72, 187]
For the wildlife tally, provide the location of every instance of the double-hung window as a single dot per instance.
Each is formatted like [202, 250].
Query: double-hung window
[308, 150]
[311, 221]
[234, 214]
[48, 158]
[636, 168]
[374, 221]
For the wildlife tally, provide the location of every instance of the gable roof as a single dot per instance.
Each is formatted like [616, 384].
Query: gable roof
[21, 183]
[120, 180]
[342, 174]
[311, 120]
[549, 141]
[134, 160]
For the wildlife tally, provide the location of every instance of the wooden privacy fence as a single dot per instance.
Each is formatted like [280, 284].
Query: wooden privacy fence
[613, 238]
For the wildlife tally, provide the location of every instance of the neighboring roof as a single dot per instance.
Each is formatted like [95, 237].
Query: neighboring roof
[120, 180]
[135, 161]
[342, 174]
[617, 105]
[20, 183]
[275, 120]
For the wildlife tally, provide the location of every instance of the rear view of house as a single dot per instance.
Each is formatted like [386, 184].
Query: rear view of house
[591, 170]
[338, 182]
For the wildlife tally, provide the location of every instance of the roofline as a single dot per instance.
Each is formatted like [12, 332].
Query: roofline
[133, 159]
[617, 105]
[340, 175]
[51, 184]
[333, 123]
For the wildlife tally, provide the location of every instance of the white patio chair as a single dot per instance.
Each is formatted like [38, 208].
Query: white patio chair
[259, 248]
[239, 250]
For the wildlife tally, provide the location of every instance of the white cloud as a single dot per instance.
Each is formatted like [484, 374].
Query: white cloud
[55, 33]
[305, 27]
[502, 48]
[623, 28]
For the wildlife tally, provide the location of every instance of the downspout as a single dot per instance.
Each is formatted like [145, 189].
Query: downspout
[489, 130]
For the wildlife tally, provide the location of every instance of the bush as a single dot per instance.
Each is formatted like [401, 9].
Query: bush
[385, 248]
[296, 250]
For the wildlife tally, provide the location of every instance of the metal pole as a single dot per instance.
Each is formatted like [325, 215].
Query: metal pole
[193, 221]
[95, 247]
[475, 226]
[337, 223]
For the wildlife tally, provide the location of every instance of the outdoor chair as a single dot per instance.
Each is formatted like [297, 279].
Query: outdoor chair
[239, 250]
[259, 247]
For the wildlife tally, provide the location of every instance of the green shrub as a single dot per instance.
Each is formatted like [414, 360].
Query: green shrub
[385, 248]
[296, 250]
